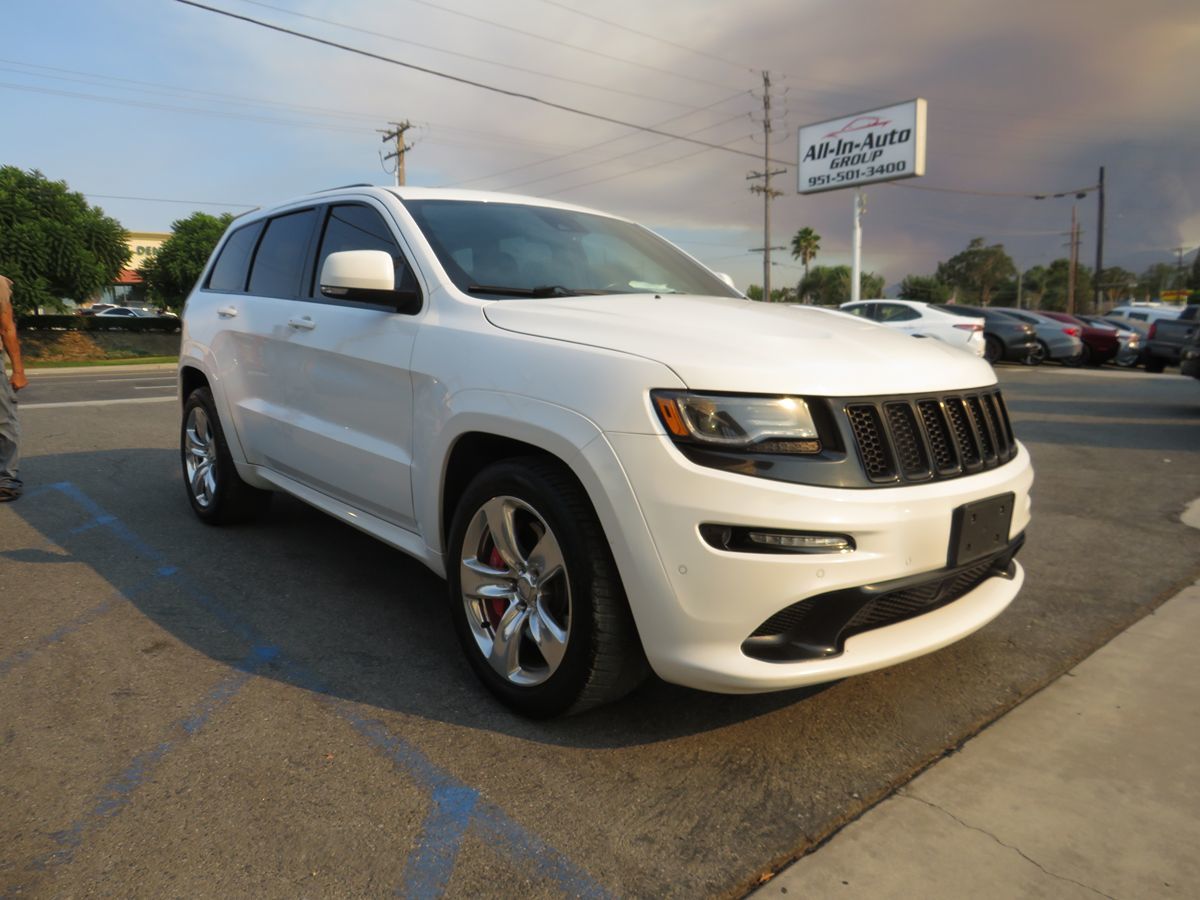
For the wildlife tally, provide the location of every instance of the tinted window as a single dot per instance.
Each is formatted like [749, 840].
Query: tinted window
[862, 310]
[896, 312]
[279, 262]
[353, 227]
[229, 273]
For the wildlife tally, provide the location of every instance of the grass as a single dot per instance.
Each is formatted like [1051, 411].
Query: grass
[75, 363]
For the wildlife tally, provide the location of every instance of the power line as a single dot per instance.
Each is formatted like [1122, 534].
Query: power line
[469, 82]
[578, 47]
[651, 36]
[612, 140]
[491, 62]
[973, 193]
[637, 171]
[614, 158]
[166, 200]
[188, 109]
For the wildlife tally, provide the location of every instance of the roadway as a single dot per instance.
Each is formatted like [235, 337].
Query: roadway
[280, 709]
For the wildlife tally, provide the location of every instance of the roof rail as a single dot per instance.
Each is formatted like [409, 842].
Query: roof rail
[342, 187]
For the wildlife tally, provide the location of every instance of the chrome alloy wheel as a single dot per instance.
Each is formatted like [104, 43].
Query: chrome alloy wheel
[200, 457]
[516, 591]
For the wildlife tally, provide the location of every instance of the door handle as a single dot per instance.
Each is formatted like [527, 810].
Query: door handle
[303, 322]
[227, 312]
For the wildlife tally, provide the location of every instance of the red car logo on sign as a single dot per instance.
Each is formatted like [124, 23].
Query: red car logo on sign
[860, 124]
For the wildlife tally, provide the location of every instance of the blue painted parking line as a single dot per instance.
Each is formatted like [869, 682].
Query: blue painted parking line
[455, 808]
[116, 795]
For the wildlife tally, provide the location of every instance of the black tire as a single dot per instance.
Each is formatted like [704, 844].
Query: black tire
[1078, 359]
[993, 350]
[1155, 364]
[600, 659]
[216, 492]
[1038, 355]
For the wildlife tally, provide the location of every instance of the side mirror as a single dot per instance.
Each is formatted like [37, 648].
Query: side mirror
[725, 277]
[368, 276]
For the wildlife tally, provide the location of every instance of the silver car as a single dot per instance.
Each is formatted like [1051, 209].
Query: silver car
[1131, 338]
[1056, 340]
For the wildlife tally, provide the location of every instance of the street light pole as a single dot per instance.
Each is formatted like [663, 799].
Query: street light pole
[1099, 244]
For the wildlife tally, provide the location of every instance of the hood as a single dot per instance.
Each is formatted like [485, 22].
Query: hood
[726, 344]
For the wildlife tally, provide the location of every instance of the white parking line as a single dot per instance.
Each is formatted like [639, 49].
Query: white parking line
[27, 406]
[169, 378]
[155, 387]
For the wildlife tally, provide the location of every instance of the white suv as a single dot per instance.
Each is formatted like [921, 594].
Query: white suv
[615, 460]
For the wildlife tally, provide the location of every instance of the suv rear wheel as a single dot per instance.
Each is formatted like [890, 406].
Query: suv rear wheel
[216, 491]
[535, 596]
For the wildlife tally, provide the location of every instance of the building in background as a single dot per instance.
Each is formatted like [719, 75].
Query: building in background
[129, 289]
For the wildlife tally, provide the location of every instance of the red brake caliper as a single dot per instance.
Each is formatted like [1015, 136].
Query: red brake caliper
[495, 606]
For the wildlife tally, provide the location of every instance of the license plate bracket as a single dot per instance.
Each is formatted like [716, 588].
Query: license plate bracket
[980, 528]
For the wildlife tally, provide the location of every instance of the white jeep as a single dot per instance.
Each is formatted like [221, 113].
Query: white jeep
[617, 461]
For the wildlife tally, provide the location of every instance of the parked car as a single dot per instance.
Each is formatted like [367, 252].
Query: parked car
[922, 320]
[1166, 338]
[1129, 338]
[1189, 358]
[1100, 344]
[1005, 338]
[616, 460]
[1144, 313]
[1055, 340]
[119, 312]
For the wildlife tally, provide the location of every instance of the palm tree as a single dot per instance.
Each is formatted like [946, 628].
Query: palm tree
[805, 244]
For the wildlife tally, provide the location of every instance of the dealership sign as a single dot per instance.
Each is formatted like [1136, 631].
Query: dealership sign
[879, 145]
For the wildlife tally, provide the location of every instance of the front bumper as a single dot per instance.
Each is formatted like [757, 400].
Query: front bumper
[695, 619]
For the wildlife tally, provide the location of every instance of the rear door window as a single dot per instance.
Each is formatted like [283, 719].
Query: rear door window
[229, 271]
[279, 263]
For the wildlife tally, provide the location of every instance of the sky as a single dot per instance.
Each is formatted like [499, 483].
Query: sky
[190, 110]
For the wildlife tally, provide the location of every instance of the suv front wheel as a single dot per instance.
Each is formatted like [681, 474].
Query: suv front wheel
[535, 596]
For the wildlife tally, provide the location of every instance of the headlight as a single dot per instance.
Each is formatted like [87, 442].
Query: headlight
[763, 424]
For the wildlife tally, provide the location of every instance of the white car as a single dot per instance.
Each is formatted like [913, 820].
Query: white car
[922, 320]
[618, 463]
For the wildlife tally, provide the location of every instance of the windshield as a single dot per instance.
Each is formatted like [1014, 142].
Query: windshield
[515, 250]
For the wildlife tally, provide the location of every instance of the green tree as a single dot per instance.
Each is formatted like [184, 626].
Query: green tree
[830, 285]
[1033, 287]
[1058, 276]
[172, 271]
[805, 244]
[1116, 284]
[1151, 283]
[977, 271]
[924, 287]
[53, 244]
[778, 295]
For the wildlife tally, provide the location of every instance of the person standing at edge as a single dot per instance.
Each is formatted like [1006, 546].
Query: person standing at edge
[10, 484]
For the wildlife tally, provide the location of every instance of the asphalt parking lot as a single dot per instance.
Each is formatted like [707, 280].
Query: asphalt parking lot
[281, 710]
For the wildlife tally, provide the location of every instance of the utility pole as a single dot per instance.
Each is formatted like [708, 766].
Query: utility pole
[397, 134]
[765, 188]
[1099, 244]
[1074, 261]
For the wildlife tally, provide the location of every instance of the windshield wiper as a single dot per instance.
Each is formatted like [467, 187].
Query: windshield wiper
[545, 290]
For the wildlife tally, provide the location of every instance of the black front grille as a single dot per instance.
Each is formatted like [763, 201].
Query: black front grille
[906, 440]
